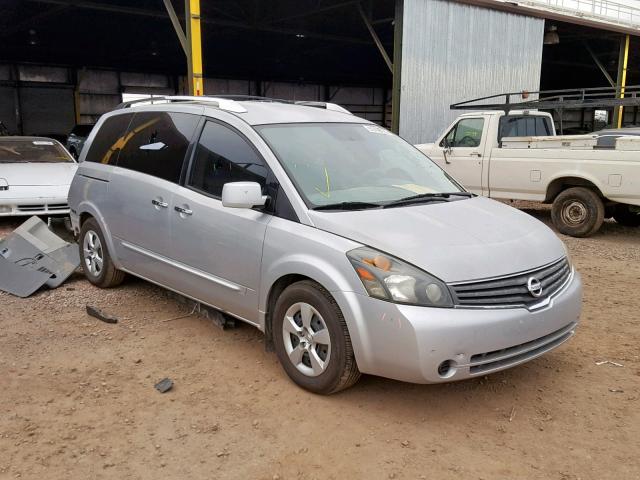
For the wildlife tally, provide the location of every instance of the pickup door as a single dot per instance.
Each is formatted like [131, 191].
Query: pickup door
[461, 151]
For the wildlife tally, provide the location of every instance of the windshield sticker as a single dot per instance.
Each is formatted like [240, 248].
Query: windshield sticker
[376, 129]
[418, 189]
[42, 142]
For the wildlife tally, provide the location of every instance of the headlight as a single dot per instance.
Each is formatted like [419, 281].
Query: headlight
[387, 278]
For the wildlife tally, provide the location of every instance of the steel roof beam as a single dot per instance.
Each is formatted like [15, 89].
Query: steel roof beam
[160, 14]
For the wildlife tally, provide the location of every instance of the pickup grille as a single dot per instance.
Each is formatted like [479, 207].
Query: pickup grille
[513, 291]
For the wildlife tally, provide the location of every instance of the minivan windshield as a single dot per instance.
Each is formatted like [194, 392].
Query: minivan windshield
[353, 163]
[32, 151]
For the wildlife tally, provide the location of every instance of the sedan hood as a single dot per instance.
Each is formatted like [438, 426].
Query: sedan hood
[456, 241]
[37, 174]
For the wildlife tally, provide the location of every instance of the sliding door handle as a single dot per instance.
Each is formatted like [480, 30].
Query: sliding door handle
[183, 211]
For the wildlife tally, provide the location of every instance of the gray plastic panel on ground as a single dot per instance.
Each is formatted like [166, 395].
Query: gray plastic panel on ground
[32, 256]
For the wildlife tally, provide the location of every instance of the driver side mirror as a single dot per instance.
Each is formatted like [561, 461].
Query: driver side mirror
[243, 195]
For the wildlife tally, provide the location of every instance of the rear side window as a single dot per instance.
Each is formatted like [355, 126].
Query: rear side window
[224, 156]
[109, 140]
[524, 126]
[157, 142]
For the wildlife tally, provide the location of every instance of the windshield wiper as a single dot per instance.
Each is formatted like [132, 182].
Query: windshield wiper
[428, 197]
[347, 206]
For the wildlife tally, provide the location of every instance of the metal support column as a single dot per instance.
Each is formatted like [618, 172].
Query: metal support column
[194, 41]
[191, 42]
[397, 66]
[623, 61]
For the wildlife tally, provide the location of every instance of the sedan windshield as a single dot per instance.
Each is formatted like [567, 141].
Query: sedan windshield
[353, 164]
[32, 151]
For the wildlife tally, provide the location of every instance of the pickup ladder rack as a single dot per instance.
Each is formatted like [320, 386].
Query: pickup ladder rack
[599, 97]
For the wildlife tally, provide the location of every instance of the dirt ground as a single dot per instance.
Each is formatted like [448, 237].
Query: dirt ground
[77, 397]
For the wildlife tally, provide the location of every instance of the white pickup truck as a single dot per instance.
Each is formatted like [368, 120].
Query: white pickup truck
[517, 156]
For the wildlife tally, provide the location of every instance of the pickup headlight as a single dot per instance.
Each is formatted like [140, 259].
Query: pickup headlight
[388, 278]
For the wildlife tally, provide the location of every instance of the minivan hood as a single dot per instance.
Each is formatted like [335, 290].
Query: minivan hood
[456, 241]
[37, 174]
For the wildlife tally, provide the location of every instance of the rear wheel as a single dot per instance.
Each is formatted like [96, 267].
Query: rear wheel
[627, 216]
[312, 341]
[96, 261]
[578, 212]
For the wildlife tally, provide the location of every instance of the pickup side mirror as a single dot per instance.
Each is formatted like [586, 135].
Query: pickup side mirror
[243, 195]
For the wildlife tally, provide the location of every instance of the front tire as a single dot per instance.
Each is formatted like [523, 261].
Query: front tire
[312, 341]
[96, 261]
[627, 217]
[578, 212]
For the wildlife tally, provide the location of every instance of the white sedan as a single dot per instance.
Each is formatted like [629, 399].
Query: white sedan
[35, 174]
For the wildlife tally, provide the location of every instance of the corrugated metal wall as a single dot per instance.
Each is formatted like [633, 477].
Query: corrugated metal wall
[453, 52]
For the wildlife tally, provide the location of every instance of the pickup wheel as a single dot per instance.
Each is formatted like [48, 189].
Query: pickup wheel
[578, 212]
[312, 341]
[627, 217]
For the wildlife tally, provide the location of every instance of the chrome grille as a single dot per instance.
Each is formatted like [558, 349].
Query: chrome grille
[512, 291]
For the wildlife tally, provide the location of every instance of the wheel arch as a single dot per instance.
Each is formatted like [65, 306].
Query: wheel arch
[298, 268]
[560, 183]
[86, 211]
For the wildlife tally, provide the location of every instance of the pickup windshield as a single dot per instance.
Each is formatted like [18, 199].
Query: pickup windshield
[32, 151]
[353, 164]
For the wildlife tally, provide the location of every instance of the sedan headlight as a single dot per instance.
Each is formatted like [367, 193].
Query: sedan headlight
[388, 278]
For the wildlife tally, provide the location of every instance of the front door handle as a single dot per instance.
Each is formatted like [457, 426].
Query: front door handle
[159, 203]
[476, 154]
[183, 211]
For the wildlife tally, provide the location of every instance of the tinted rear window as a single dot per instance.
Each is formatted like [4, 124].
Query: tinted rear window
[157, 142]
[524, 126]
[109, 140]
[32, 151]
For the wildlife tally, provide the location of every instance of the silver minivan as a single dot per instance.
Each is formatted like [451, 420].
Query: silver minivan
[346, 246]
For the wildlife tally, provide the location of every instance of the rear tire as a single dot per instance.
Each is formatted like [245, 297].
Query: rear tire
[627, 217]
[578, 212]
[312, 340]
[95, 259]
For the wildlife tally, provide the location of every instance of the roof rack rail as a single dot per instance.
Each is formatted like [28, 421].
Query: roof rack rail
[255, 98]
[599, 97]
[230, 102]
[226, 104]
[326, 105]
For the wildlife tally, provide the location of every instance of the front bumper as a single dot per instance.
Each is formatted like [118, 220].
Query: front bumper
[11, 207]
[433, 345]
[34, 200]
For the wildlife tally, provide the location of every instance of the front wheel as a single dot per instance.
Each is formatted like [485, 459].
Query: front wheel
[627, 216]
[578, 212]
[312, 341]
